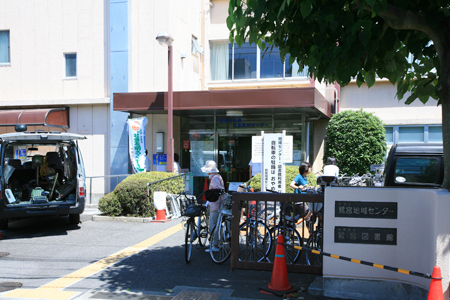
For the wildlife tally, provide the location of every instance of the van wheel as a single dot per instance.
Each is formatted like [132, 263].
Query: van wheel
[74, 219]
[3, 224]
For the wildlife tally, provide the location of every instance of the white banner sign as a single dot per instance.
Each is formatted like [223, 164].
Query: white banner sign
[273, 175]
[136, 142]
[257, 150]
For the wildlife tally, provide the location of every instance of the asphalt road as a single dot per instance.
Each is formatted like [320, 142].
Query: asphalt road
[41, 251]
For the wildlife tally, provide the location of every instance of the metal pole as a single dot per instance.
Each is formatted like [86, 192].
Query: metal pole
[170, 115]
[90, 191]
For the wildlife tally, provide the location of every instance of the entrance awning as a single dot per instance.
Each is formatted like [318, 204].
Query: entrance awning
[52, 117]
[290, 100]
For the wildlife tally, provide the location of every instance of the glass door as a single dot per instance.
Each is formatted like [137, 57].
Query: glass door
[234, 156]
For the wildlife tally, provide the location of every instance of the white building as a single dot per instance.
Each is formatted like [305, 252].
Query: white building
[100, 60]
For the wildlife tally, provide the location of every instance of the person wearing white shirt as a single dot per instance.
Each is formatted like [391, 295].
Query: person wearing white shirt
[176, 165]
[331, 169]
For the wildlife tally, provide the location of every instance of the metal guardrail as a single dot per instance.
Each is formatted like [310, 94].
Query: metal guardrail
[270, 199]
[153, 182]
[102, 176]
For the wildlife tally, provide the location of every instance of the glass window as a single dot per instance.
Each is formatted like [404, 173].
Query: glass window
[195, 47]
[221, 60]
[411, 134]
[389, 134]
[416, 170]
[293, 69]
[435, 134]
[270, 63]
[4, 47]
[71, 64]
[245, 61]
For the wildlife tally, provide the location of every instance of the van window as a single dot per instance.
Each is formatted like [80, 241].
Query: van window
[416, 170]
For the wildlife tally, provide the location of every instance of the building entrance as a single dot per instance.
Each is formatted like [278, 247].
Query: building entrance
[228, 141]
[235, 152]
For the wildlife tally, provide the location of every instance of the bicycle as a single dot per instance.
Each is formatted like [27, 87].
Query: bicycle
[285, 224]
[220, 235]
[196, 229]
[255, 239]
[315, 239]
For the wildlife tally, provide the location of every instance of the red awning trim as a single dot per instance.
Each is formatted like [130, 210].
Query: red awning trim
[225, 99]
[51, 117]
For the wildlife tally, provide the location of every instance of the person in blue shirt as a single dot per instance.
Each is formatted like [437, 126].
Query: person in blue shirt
[300, 183]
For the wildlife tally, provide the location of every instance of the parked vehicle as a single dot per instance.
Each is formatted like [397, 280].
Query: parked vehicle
[42, 174]
[415, 165]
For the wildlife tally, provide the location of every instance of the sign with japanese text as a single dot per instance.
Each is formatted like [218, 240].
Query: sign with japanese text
[257, 151]
[159, 159]
[273, 175]
[361, 209]
[365, 235]
[136, 142]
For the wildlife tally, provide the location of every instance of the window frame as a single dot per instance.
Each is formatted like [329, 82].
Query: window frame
[65, 65]
[396, 133]
[7, 63]
[258, 67]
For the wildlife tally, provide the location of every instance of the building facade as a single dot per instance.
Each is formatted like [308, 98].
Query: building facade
[101, 61]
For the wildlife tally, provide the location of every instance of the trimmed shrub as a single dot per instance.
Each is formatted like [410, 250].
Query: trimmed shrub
[110, 205]
[357, 139]
[291, 172]
[131, 194]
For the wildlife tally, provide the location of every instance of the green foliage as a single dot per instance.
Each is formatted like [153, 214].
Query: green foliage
[356, 139]
[110, 205]
[342, 40]
[291, 172]
[130, 197]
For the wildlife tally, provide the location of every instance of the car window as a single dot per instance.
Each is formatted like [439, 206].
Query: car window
[416, 170]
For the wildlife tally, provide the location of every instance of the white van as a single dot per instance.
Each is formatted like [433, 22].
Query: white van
[42, 174]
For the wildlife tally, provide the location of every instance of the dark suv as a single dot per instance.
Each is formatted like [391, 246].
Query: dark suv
[415, 165]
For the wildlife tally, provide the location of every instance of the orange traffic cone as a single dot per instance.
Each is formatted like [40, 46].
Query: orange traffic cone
[279, 284]
[435, 292]
[205, 188]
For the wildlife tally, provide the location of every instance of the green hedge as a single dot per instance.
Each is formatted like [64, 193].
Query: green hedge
[291, 172]
[357, 139]
[130, 198]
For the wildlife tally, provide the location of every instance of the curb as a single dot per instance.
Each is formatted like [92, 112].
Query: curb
[121, 219]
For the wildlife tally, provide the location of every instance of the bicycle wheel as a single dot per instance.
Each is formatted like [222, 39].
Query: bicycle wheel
[188, 240]
[255, 241]
[222, 235]
[314, 242]
[202, 228]
[292, 238]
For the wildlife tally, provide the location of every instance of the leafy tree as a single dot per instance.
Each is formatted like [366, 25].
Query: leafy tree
[345, 39]
[357, 139]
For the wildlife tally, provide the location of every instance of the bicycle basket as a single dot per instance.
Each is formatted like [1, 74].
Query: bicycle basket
[225, 206]
[192, 211]
[185, 202]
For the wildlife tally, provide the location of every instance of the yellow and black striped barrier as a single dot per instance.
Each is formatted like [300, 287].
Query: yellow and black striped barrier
[362, 262]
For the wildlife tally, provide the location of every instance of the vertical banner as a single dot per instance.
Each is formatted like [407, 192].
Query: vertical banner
[273, 175]
[136, 142]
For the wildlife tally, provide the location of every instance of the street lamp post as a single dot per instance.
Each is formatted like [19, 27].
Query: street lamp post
[166, 40]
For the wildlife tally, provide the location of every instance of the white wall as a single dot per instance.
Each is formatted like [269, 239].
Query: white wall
[182, 20]
[423, 238]
[40, 33]
[380, 99]
[93, 122]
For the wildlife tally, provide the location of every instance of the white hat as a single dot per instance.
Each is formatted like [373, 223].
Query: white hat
[210, 167]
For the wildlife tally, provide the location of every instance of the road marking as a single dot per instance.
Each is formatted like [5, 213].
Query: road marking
[52, 290]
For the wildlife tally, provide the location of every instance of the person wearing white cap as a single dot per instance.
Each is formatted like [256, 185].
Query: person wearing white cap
[215, 182]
